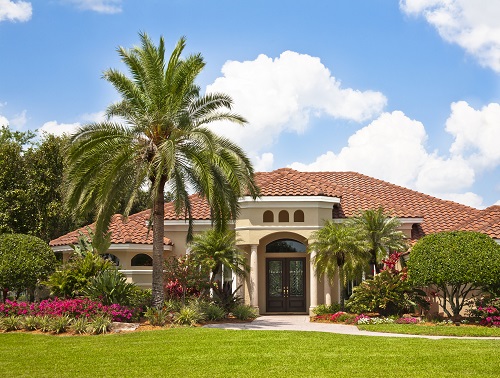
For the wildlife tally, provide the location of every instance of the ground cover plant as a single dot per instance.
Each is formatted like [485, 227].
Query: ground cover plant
[196, 352]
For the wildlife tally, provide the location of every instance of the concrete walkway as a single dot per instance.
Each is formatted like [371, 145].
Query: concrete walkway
[302, 323]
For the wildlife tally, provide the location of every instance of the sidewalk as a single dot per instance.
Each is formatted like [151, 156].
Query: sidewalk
[302, 323]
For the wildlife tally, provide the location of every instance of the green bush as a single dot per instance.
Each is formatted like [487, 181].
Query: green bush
[110, 286]
[80, 325]
[245, 312]
[158, 317]
[99, 324]
[59, 324]
[214, 312]
[323, 309]
[11, 323]
[139, 298]
[30, 323]
[189, 315]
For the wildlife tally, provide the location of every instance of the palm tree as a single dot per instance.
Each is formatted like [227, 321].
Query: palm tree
[216, 249]
[338, 249]
[162, 140]
[380, 233]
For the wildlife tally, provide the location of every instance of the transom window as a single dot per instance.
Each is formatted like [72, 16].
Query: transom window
[142, 259]
[285, 245]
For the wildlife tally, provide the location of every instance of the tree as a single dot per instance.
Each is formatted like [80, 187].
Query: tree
[455, 263]
[338, 249]
[25, 260]
[381, 234]
[163, 140]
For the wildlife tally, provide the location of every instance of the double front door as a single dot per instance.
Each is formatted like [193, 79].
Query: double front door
[286, 285]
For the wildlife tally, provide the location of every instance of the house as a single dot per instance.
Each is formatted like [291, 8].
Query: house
[275, 229]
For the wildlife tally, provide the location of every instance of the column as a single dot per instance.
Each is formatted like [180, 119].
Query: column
[328, 290]
[254, 277]
[313, 283]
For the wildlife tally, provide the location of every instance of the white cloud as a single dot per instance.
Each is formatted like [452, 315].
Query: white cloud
[15, 10]
[19, 120]
[3, 121]
[263, 163]
[101, 6]
[393, 148]
[472, 24]
[52, 127]
[476, 133]
[280, 95]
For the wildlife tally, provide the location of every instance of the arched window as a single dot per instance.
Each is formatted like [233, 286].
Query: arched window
[109, 256]
[283, 216]
[298, 216]
[268, 216]
[285, 245]
[142, 260]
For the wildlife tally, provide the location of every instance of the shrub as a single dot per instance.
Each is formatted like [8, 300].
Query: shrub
[140, 298]
[487, 311]
[225, 297]
[30, 323]
[99, 324]
[158, 317]
[11, 323]
[58, 324]
[189, 315]
[245, 312]
[214, 312]
[110, 286]
[327, 309]
[44, 323]
[79, 325]
[407, 320]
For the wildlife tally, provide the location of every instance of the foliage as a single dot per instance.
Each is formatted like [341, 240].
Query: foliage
[139, 298]
[99, 324]
[225, 297]
[323, 309]
[245, 312]
[337, 248]
[110, 286]
[158, 316]
[75, 276]
[79, 325]
[11, 323]
[59, 324]
[163, 140]
[24, 261]
[455, 263]
[214, 312]
[185, 278]
[388, 293]
[74, 308]
[380, 232]
[487, 311]
[190, 314]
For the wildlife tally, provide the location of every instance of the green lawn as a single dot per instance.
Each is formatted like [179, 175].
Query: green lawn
[198, 352]
[435, 330]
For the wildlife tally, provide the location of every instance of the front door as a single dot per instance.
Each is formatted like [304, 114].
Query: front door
[286, 284]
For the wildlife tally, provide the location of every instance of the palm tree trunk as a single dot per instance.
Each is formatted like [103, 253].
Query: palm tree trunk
[158, 247]
[342, 289]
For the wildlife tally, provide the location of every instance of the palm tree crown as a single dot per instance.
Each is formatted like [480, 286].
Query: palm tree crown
[162, 140]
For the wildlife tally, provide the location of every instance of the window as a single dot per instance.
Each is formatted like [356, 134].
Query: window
[268, 216]
[142, 260]
[109, 256]
[285, 245]
[283, 216]
[298, 216]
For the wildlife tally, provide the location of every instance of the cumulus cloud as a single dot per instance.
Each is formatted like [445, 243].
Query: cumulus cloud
[263, 163]
[393, 148]
[476, 133]
[19, 120]
[100, 6]
[55, 128]
[3, 121]
[282, 94]
[472, 24]
[15, 10]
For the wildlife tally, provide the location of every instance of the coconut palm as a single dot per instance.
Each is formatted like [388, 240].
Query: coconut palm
[161, 140]
[381, 234]
[338, 249]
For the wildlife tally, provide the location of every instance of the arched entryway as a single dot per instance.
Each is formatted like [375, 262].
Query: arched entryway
[286, 276]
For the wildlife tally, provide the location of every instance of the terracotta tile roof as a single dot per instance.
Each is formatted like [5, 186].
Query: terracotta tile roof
[486, 222]
[200, 209]
[133, 230]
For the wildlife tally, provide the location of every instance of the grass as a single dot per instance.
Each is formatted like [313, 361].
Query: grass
[434, 330]
[199, 352]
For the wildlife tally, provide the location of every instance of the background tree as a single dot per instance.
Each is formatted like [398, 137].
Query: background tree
[338, 249]
[455, 263]
[380, 233]
[25, 260]
[163, 140]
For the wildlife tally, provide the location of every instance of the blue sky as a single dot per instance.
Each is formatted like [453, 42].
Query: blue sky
[405, 91]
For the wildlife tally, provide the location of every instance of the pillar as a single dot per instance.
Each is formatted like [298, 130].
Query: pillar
[254, 277]
[313, 284]
[327, 290]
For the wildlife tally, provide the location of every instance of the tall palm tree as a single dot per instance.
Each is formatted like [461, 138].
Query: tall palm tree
[216, 249]
[162, 140]
[338, 249]
[381, 234]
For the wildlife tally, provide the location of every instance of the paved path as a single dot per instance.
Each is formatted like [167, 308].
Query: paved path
[302, 323]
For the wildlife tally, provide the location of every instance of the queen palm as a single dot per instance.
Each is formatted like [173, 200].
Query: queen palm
[338, 249]
[162, 141]
[380, 233]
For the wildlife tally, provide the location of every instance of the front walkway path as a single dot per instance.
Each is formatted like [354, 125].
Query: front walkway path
[302, 323]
